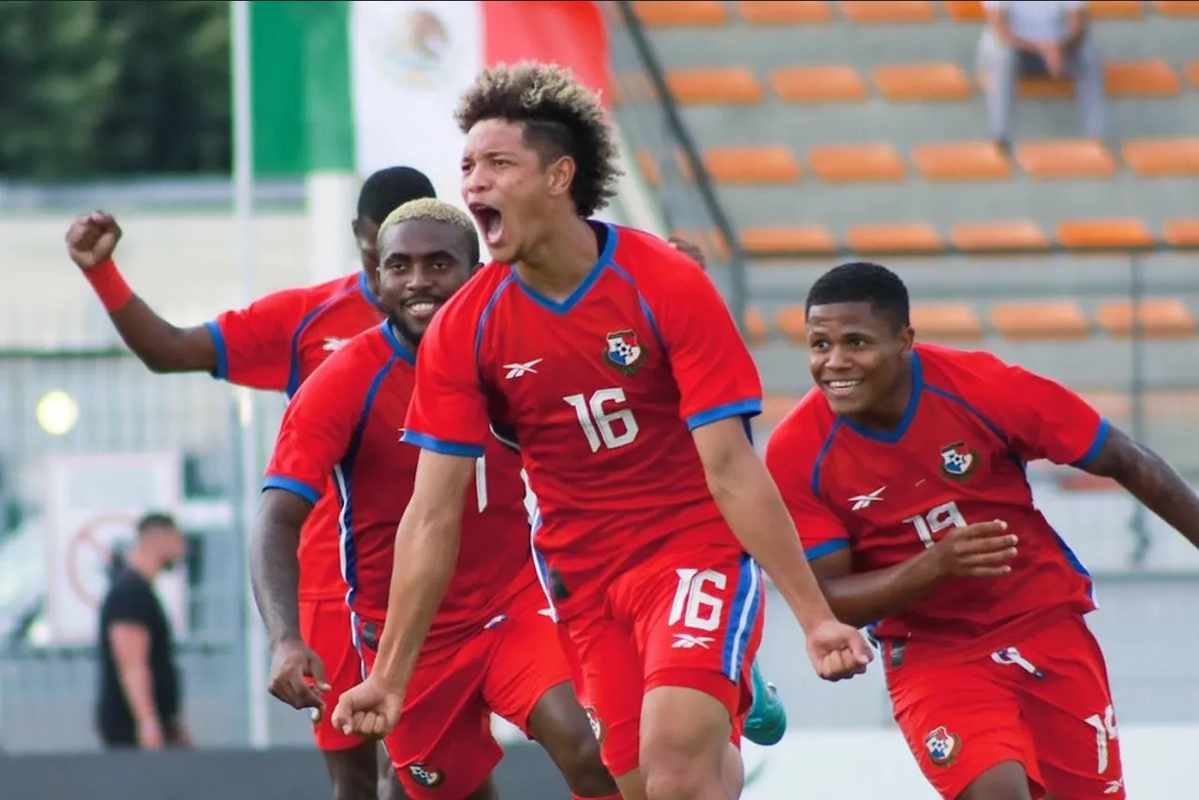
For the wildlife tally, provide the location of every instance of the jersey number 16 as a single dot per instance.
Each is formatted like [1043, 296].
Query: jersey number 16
[607, 429]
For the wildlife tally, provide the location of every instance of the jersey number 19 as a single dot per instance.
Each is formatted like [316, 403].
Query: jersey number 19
[607, 429]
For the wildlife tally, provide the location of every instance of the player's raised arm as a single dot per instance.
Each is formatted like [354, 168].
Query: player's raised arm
[91, 242]
[314, 435]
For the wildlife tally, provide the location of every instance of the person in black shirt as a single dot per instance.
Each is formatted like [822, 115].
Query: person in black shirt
[139, 700]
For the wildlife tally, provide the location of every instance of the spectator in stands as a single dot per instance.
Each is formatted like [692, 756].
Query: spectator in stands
[1039, 38]
[139, 699]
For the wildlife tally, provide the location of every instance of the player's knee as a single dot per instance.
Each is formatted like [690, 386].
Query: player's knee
[684, 734]
[1004, 781]
[581, 766]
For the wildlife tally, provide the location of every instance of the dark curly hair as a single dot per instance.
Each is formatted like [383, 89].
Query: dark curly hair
[561, 117]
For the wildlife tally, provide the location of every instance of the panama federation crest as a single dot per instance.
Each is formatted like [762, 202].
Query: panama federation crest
[958, 460]
[624, 351]
[943, 746]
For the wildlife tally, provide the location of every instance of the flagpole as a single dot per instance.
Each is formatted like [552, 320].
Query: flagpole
[248, 441]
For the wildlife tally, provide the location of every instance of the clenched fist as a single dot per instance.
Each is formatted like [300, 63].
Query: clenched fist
[92, 239]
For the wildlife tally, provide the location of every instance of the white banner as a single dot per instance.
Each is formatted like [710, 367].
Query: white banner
[410, 62]
[92, 506]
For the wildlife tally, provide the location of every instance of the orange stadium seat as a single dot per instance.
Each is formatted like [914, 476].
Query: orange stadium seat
[938, 81]
[946, 322]
[1181, 232]
[961, 161]
[648, 167]
[1002, 235]
[788, 240]
[1177, 8]
[792, 323]
[1155, 158]
[829, 83]
[756, 329]
[857, 163]
[1193, 73]
[1034, 88]
[784, 12]
[872, 12]
[767, 164]
[1115, 9]
[1150, 78]
[693, 14]
[1039, 320]
[1158, 318]
[731, 85]
[1065, 158]
[1104, 234]
[904, 237]
[965, 10]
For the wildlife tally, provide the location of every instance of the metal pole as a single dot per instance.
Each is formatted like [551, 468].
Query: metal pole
[243, 211]
[1136, 291]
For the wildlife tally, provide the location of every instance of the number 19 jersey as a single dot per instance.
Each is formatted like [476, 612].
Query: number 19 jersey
[600, 392]
[957, 457]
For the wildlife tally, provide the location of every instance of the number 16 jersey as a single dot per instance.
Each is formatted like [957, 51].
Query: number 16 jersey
[600, 391]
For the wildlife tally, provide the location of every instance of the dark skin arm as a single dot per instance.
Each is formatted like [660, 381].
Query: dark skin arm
[1148, 478]
[979, 551]
[162, 347]
[274, 564]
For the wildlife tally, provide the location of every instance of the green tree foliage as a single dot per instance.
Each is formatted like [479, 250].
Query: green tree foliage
[106, 88]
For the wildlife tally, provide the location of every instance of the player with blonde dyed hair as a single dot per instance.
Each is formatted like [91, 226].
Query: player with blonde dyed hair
[490, 649]
[616, 363]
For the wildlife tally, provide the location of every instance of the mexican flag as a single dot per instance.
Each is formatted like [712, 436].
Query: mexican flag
[350, 87]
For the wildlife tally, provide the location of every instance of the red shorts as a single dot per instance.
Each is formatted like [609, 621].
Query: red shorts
[1043, 701]
[443, 746]
[692, 619]
[325, 627]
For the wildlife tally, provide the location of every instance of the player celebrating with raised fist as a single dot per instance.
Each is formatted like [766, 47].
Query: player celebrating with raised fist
[904, 470]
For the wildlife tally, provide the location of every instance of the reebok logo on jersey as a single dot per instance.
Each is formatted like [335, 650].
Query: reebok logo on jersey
[686, 641]
[332, 343]
[864, 500]
[518, 369]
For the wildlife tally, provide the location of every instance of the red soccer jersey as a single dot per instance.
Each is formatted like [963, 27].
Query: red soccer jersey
[601, 392]
[275, 344]
[345, 421]
[957, 457]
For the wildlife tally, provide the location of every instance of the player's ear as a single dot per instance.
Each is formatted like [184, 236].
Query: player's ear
[907, 337]
[559, 175]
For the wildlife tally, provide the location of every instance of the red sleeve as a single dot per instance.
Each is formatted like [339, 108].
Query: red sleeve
[254, 344]
[795, 470]
[1043, 419]
[715, 373]
[317, 427]
[448, 412]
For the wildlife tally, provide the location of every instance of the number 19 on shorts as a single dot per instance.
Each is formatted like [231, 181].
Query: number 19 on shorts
[602, 425]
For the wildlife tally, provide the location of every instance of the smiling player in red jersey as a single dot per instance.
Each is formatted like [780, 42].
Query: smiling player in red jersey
[490, 648]
[904, 470]
[274, 344]
[615, 364]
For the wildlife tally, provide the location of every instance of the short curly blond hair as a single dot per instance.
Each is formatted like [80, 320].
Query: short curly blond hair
[561, 117]
[434, 210]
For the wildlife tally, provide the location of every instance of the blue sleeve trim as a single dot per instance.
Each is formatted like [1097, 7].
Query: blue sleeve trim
[742, 408]
[222, 352]
[825, 549]
[1096, 445]
[291, 485]
[438, 446]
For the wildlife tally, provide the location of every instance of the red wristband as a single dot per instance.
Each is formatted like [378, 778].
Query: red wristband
[109, 285]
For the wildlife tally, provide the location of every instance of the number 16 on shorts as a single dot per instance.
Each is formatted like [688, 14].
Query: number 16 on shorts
[717, 611]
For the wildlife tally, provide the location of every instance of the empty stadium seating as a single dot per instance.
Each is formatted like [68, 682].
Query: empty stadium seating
[833, 130]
